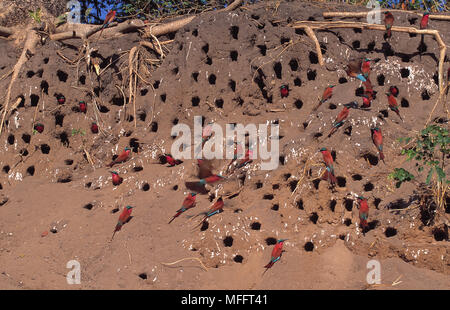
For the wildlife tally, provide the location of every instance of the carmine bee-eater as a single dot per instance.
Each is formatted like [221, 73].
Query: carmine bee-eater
[216, 208]
[122, 157]
[116, 179]
[394, 90]
[367, 100]
[354, 69]
[82, 106]
[108, 19]
[172, 161]
[327, 94]
[342, 116]
[284, 91]
[363, 212]
[61, 99]
[39, 127]
[424, 20]
[276, 254]
[388, 22]
[377, 139]
[329, 173]
[365, 67]
[123, 218]
[94, 128]
[199, 186]
[188, 203]
[393, 105]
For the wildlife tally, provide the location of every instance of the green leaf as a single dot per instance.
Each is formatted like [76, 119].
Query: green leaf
[440, 173]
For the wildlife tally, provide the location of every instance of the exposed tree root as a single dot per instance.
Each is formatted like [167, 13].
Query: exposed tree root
[187, 258]
[364, 14]
[342, 24]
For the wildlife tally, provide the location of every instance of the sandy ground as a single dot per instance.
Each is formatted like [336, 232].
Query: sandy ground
[52, 187]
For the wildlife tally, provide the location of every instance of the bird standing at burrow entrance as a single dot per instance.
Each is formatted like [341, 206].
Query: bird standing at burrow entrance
[393, 105]
[216, 208]
[423, 26]
[172, 161]
[94, 127]
[353, 69]
[116, 179]
[329, 172]
[188, 203]
[377, 139]
[388, 22]
[284, 91]
[394, 90]
[339, 121]
[365, 67]
[276, 254]
[327, 94]
[82, 106]
[363, 212]
[124, 217]
[122, 157]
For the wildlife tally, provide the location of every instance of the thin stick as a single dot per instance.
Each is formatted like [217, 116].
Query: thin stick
[194, 258]
[313, 37]
[364, 14]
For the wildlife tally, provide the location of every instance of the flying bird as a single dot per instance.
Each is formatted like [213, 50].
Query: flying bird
[216, 208]
[108, 19]
[354, 69]
[123, 218]
[276, 254]
[122, 157]
[339, 121]
[188, 203]
[200, 186]
[172, 161]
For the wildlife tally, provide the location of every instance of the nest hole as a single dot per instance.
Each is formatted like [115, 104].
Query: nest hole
[404, 72]
[390, 232]
[62, 76]
[23, 152]
[208, 61]
[262, 49]
[356, 44]
[26, 138]
[311, 74]
[30, 170]
[68, 162]
[381, 79]
[45, 148]
[219, 103]
[359, 91]
[255, 225]
[154, 126]
[6, 169]
[316, 183]
[205, 226]
[175, 187]
[234, 31]
[440, 234]
[205, 48]
[82, 79]
[238, 258]
[143, 276]
[357, 177]
[232, 85]
[195, 101]
[282, 159]
[259, 185]
[314, 217]
[64, 138]
[65, 179]
[348, 222]
[268, 196]
[341, 181]
[368, 187]
[298, 104]
[313, 59]
[34, 100]
[163, 97]
[333, 204]
[277, 67]
[44, 86]
[342, 80]
[348, 131]
[425, 95]
[298, 82]
[145, 187]
[228, 241]
[309, 246]
[59, 119]
[103, 109]
[88, 206]
[11, 139]
[348, 204]
[371, 158]
[293, 64]
[300, 204]
[234, 55]
[293, 185]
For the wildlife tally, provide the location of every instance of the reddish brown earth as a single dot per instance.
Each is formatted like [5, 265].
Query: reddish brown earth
[45, 192]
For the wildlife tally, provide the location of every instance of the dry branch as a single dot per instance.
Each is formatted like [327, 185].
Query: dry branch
[28, 48]
[364, 14]
[313, 37]
[342, 24]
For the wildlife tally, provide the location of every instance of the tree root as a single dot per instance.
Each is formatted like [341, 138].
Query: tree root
[187, 258]
[342, 24]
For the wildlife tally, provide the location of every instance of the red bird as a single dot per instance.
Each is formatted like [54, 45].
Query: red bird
[327, 94]
[388, 22]
[122, 157]
[61, 99]
[424, 20]
[276, 254]
[172, 161]
[116, 179]
[377, 139]
[367, 100]
[108, 19]
[394, 90]
[284, 91]
[94, 128]
[188, 203]
[393, 104]
[216, 208]
[365, 68]
[82, 106]
[363, 212]
[39, 127]
[123, 218]
[342, 116]
[328, 159]
[199, 186]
